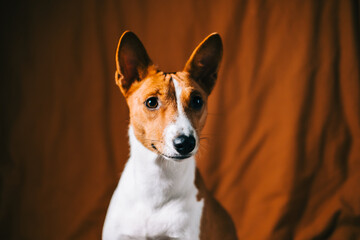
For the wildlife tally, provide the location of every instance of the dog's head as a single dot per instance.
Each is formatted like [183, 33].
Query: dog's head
[167, 110]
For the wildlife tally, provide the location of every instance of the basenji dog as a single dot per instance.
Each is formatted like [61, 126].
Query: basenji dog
[161, 194]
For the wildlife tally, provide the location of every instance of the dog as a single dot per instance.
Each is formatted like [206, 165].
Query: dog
[161, 194]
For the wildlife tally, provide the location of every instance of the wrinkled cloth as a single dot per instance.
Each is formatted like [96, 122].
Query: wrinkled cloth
[281, 147]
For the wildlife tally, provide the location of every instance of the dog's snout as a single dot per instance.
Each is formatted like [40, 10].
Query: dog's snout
[184, 144]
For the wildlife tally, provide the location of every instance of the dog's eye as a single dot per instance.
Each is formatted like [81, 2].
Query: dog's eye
[152, 103]
[196, 102]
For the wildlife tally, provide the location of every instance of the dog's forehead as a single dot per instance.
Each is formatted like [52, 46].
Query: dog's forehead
[181, 78]
[165, 84]
[157, 84]
[162, 83]
[186, 85]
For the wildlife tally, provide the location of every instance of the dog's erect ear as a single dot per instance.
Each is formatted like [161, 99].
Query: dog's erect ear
[203, 65]
[132, 61]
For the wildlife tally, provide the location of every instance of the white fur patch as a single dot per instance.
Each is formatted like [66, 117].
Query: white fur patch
[155, 198]
[181, 126]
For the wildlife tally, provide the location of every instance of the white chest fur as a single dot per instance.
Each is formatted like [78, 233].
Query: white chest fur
[155, 198]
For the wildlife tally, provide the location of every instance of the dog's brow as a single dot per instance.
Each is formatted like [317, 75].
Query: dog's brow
[194, 92]
[154, 92]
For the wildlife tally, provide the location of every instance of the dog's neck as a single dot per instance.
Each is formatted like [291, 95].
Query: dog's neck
[158, 178]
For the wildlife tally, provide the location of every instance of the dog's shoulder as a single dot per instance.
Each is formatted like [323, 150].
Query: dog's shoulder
[216, 223]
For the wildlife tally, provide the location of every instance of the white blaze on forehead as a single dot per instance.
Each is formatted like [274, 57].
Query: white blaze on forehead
[181, 124]
[178, 90]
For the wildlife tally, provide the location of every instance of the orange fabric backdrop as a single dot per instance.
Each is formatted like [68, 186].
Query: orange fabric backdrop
[282, 152]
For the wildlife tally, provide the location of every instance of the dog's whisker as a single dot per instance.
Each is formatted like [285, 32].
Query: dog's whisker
[204, 138]
[207, 136]
[152, 140]
[215, 114]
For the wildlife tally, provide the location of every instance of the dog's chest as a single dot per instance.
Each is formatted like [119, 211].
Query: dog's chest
[153, 208]
[177, 218]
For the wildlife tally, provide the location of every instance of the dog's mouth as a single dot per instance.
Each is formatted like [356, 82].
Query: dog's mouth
[174, 157]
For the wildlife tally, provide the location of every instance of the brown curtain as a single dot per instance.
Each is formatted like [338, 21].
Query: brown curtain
[282, 142]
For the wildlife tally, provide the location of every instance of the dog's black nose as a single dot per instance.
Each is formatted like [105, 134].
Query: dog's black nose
[184, 144]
